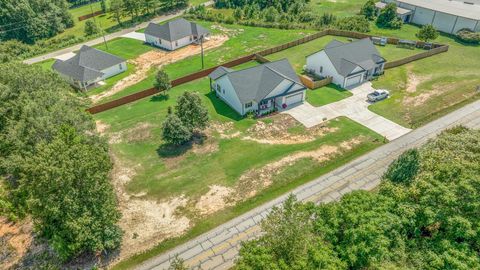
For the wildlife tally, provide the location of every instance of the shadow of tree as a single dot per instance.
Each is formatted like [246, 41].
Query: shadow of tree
[171, 151]
[160, 97]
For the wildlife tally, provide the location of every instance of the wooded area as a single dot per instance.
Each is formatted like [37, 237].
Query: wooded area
[424, 216]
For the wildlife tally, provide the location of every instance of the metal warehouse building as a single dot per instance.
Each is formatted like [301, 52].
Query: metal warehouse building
[446, 16]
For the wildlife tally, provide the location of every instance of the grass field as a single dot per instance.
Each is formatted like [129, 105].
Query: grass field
[340, 8]
[126, 48]
[195, 168]
[327, 94]
[429, 88]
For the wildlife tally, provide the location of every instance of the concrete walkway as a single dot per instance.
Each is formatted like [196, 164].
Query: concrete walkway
[108, 37]
[355, 108]
[135, 35]
[218, 248]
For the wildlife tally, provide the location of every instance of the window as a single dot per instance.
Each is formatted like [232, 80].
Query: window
[190, 38]
[120, 66]
[219, 88]
[176, 43]
[321, 69]
[159, 41]
[248, 105]
[223, 91]
[264, 102]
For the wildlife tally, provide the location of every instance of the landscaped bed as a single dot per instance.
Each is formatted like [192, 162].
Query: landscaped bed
[240, 163]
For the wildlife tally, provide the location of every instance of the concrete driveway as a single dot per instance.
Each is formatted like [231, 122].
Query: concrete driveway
[355, 108]
[135, 35]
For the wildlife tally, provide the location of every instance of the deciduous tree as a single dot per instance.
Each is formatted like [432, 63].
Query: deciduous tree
[191, 111]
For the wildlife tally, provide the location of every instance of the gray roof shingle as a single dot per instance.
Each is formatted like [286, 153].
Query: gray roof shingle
[87, 64]
[255, 83]
[347, 56]
[175, 30]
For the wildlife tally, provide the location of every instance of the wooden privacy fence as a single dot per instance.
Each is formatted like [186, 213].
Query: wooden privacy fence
[416, 57]
[152, 91]
[311, 84]
[90, 15]
[437, 48]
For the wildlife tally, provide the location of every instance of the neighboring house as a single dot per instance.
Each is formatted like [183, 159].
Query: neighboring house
[260, 89]
[348, 64]
[174, 34]
[89, 66]
[445, 15]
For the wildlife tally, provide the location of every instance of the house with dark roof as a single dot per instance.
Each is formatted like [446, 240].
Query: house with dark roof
[259, 89]
[174, 34]
[89, 66]
[348, 64]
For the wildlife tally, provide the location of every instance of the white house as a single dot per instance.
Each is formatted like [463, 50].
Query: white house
[174, 34]
[89, 66]
[259, 89]
[445, 15]
[348, 64]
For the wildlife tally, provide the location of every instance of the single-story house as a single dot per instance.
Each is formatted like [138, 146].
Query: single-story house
[349, 63]
[89, 66]
[174, 34]
[259, 89]
[445, 15]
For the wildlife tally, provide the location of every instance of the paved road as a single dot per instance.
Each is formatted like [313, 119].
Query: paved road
[355, 108]
[218, 248]
[107, 37]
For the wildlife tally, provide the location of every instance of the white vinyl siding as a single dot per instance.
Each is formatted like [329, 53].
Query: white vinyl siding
[229, 95]
[114, 70]
[320, 59]
[165, 44]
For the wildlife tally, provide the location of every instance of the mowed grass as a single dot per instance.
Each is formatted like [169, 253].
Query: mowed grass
[297, 55]
[340, 8]
[127, 48]
[426, 89]
[327, 94]
[193, 173]
[243, 40]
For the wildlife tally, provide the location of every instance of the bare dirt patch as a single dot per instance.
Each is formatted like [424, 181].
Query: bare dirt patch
[101, 127]
[146, 222]
[15, 241]
[140, 132]
[414, 80]
[279, 131]
[214, 200]
[157, 58]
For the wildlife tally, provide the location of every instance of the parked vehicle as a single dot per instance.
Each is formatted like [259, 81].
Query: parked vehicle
[378, 95]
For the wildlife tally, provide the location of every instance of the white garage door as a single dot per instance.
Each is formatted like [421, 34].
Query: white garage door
[296, 98]
[353, 80]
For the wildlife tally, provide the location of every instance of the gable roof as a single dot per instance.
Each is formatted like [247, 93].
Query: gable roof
[345, 57]
[255, 83]
[87, 64]
[175, 30]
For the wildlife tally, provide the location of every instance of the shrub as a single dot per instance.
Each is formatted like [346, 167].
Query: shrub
[405, 168]
[174, 132]
[388, 17]
[427, 32]
[91, 28]
[356, 23]
[468, 36]
[162, 81]
[369, 10]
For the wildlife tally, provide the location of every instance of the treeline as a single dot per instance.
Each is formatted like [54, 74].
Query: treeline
[294, 15]
[135, 9]
[53, 165]
[425, 215]
[31, 20]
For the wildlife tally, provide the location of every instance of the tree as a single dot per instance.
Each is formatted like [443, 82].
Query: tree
[270, 14]
[116, 7]
[355, 23]
[162, 81]
[91, 28]
[369, 10]
[427, 32]
[174, 131]
[148, 6]
[238, 14]
[405, 168]
[191, 111]
[75, 209]
[388, 17]
[103, 5]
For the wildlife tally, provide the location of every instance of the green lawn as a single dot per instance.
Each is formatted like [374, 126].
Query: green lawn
[327, 94]
[444, 82]
[340, 8]
[242, 40]
[127, 48]
[47, 64]
[194, 172]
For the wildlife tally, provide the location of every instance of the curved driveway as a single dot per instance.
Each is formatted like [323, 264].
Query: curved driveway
[218, 248]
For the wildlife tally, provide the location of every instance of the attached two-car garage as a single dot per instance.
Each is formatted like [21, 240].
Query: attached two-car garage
[294, 98]
[353, 80]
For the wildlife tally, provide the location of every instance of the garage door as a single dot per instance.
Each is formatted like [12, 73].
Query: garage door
[353, 80]
[296, 98]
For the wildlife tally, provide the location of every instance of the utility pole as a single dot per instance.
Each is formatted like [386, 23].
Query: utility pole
[99, 24]
[201, 45]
